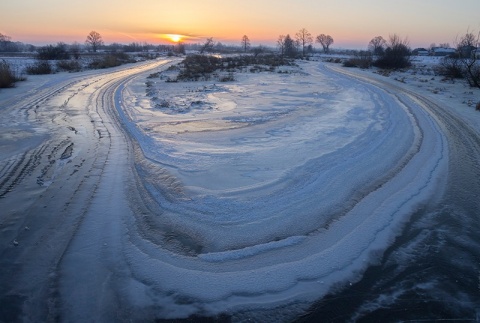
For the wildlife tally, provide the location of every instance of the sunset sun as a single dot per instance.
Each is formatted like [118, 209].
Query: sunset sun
[174, 37]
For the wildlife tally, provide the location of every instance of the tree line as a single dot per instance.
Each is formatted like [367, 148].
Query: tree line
[93, 43]
[300, 45]
[392, 53]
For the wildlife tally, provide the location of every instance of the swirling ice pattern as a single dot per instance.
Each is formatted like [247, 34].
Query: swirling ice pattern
[300, 181]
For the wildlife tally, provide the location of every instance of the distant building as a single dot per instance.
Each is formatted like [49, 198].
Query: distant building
[440, 51]
[420, 52]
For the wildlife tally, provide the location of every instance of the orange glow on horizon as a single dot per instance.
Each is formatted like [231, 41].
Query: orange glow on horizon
[175, 38]
[172, 38]
[350, 23]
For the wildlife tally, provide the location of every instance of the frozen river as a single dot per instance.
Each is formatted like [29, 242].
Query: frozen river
[320, 191]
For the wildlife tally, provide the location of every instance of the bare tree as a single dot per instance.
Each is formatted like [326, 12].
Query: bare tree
[207, 45]
[465, 64]
[290, 46]
[469, 39]
[179, 48]
[4, 38]
[396, 55]
[4, 41]
[245, 43]
[451, 67]
[377, 45]
[325, 41]
[75, 50]
[94, 40]
[259, 50]
[281, 44]
[219, 47]
[471, 66]
[466, 44]
[304, 38]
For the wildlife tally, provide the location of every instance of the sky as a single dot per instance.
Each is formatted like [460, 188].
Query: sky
[351, 23]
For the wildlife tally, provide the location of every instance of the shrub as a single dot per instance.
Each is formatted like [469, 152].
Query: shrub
[202, 67]
[227, 78]
[146, 56]
[198, 67]
[7, 78]
[450, 67]
[111, 60]
[164, 104]
[40, 67]
[154, 75]
[392, 61]
[472, 72]
[396, 55]
[69, 66]
[362, 59]
[51, 52]
[104, 62]
[123, 57]
[333, 60]
[350, 63]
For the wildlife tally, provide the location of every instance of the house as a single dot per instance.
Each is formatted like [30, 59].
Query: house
[440, 51]
[420, 52]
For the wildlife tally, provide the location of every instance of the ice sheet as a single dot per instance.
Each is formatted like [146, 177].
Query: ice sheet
[286, 180]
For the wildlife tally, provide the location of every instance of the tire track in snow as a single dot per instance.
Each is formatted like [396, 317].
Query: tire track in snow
[101, 215]
[57, 210]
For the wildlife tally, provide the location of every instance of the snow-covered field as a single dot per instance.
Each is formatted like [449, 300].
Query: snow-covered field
[253, 198]
[455, 94]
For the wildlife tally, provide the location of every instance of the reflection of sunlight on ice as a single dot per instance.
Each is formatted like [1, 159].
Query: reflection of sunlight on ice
[189, 126]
